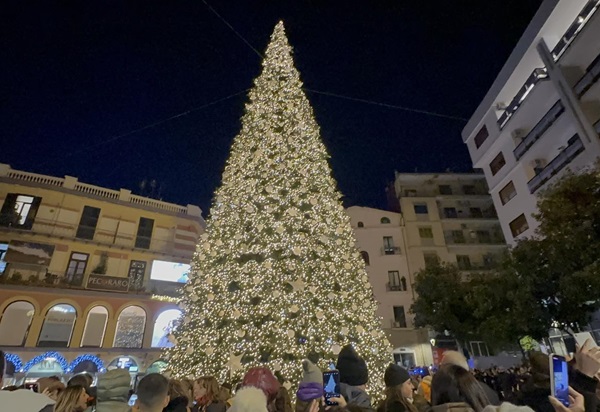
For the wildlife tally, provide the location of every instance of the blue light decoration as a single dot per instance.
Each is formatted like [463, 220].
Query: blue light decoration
[51, 354]
[15, 360]
[92, 358]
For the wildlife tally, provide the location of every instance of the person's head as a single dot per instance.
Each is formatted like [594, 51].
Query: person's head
[113, 386]
[263, 379]
[178, 390]
[152, 393]
[71, 399]
[82, 379]
[2, 366]
[353, 368]
[207, 389]
[424, 388]
[311, 385]
[453, 357]
[189, 387]
[452, 384]
[397, 382]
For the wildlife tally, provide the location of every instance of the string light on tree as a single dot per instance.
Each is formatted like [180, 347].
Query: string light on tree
[277, 272]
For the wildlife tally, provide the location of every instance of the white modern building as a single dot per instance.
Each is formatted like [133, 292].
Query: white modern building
[380, 238]
[541, 114]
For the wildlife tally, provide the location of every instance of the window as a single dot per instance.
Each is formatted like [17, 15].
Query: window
[450, 213]
[95, 326]
[130, 328]
[519, 225]
[76, 268]
[144, 233]
[58, 327]
[481, 136]
[469, 190]
[431, 259]
[399, 317]
[426, 233]
[385, 220]
[421, 209]
[463, 261]
[360, 224]
[19, 210]
[497, 164]
[88, 222]
[15, 323]
[365, 257]
[484, 236]
[388, 246]
[458, 236]
[507, 193]
[165, 324]
[394, 278]
[476, 212]
[445, 189]
[3, 249]
[479, 349]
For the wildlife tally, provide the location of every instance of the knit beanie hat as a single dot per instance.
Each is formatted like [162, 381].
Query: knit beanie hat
[311, 385]
[263, 379]
[395, 375]
[311, 372]
[353, 368]
[249, 399]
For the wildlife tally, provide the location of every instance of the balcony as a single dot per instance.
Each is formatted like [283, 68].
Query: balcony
[395, 324]
[557, 164]
[536, 76]
[575, 28]
[590, 77]
[396, 287]
[390, 250]
[539, 129]
[473, 237]
[453, 213]
[477, 266]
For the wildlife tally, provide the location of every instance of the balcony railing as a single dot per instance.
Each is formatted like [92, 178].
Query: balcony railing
[468, 267]
[557, 164]
[390, 250]
[485, 214]
[493, 238]
[533, 79]
[590, 77]
[575, 28]
[539, 129]
[395, 287]
[398, 324]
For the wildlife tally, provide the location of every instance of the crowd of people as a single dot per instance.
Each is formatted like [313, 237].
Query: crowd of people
[453, 387]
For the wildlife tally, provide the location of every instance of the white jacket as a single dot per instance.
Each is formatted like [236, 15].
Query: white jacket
[23, 400]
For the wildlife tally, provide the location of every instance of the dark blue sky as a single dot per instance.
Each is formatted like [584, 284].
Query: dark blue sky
[76, 74]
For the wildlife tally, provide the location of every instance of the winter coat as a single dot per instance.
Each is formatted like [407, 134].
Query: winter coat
[23, 400]
[212, 407]
[452, 407]
[356, 397]
[507, 407]
[113, 391]
[491, 394]
[178, 404]
[392, 405]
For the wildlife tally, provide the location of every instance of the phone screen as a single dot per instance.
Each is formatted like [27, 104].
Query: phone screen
[132, 400]
[331, 386]
[31, 386]
[560, 379]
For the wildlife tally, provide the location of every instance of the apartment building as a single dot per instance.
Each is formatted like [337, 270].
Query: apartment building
[88, 274]
[541, 116]
[381, 240]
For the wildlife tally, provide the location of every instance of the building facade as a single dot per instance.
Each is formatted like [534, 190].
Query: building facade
[88, 274]
[541, 116]
[381, 240]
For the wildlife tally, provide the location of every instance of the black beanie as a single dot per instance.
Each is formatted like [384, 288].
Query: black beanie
[353, 369]
[395, 375]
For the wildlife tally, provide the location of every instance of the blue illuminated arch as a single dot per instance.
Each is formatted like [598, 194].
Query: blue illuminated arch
[51, 354]
[15, 360]
[92, 358]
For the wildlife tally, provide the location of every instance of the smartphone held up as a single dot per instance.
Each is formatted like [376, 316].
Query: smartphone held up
[331, 386]
[559, 378]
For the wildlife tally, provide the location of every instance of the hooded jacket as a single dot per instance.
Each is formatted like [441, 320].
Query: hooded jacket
[113, 391]
[355, 396]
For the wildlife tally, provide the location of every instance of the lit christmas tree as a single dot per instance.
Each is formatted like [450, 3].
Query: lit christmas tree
[277, 274]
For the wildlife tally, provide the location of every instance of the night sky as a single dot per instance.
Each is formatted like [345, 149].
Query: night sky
[77, 77]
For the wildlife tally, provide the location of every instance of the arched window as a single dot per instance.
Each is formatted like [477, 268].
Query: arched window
[385, 220]
[95, 326]
[15, 322]
[164, 325]
[360, 224]
[403, 283]
[365, 256]
[58, 327]
[130, 328]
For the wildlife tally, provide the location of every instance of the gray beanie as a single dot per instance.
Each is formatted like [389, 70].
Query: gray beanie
[311, 372]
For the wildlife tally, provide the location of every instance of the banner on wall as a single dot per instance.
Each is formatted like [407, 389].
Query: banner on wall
[29, 253]
[110, 283]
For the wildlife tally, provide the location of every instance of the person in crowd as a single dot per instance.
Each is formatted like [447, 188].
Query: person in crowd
[458, 359]
[206, 394]
[189, 388]
[398, 390]
[113, 391]
[423, 398]
[354, 376]
[72, 399]
[22, 400]
[258, 391]
[310, 387]
[453, 388]
[85, 380]
[178, 397]
[225, 392]
[152, 394]
[249, 399]
[282, 402]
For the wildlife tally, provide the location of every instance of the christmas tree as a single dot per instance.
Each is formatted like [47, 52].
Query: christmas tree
[277, 275]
